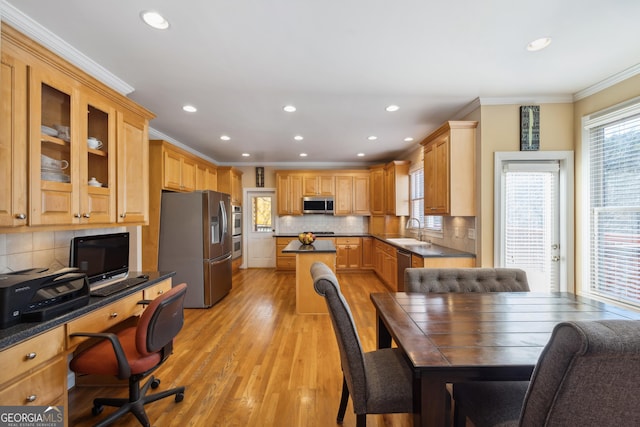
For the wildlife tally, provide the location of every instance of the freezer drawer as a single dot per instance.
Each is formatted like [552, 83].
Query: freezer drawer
[217, 280]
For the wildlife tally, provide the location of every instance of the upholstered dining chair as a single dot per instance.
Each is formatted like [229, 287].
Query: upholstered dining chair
[380, 381]
[134, 353]
[587, 375]
[465, 280]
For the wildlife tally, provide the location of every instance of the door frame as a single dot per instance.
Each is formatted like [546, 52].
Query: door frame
[566, 209]
[246, 220]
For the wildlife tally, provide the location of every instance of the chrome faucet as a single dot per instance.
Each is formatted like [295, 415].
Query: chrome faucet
[419, 226]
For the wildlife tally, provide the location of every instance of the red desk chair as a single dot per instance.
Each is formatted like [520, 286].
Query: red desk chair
[134, 353]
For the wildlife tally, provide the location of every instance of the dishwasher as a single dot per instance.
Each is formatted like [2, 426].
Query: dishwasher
[404, 261]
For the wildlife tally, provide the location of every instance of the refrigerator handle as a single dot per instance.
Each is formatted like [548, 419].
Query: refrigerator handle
[223, 215]
[220, 261]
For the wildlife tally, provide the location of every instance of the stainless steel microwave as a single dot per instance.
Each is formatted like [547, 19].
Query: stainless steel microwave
[317, 205]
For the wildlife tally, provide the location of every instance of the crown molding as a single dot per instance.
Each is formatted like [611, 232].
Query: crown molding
[608, 82]
[527, 100]
[46, 38]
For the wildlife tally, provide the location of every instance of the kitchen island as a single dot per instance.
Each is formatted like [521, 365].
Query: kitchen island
[307, 300]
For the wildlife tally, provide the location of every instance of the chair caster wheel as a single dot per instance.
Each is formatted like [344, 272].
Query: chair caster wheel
[179, 397]
[97, 410]
[155, 383]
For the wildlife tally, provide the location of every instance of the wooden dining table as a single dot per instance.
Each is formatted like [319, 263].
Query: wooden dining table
[457, 337]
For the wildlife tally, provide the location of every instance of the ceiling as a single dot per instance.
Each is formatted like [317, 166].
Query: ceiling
[339, 62]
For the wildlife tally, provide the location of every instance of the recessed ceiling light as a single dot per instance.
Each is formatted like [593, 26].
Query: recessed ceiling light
[303, 154]
[298, 137]
[289, 108]
[539, 44]
[392, 108]
[225, 137]
[372, 138]
[155, 20]
[189, 108]
[245, 154]
[360, 154]
[408, 139]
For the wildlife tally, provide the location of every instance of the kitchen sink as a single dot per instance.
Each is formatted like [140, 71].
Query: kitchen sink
[408, 242]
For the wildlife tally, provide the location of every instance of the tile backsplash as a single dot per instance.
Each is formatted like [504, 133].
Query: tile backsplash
[50, 249]
[337, 224]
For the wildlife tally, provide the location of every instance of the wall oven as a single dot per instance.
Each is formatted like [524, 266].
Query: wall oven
[236, 244]
[236, 220]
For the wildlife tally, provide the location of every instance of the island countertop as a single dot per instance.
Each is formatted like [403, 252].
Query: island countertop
[319, 246]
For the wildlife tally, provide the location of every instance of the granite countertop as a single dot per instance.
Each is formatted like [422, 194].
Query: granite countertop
[22, 331]
[426, 251]
[319, 246]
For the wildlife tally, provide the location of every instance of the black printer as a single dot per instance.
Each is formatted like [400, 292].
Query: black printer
[36, 294]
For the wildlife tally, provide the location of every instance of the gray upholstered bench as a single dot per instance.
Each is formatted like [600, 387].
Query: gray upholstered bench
[465, 280]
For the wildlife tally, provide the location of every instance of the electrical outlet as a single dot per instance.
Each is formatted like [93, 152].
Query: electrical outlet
[471, 233]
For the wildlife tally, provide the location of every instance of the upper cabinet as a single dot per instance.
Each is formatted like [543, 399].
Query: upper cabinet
[377, 198]
[289, 193]
[13, 143]
[396, 175]
[318, 185]
[230, 182]
[449, 169]
[352, 194]
[76, 151]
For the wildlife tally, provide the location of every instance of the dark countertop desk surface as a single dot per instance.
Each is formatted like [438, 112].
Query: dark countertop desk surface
[456, 337]
[24, 331]
[431, 251]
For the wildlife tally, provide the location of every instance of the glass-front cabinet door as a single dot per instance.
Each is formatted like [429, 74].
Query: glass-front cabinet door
[98, 152]
[53, 135]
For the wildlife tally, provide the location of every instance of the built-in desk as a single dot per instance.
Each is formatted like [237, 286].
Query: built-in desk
[307, 300]
[33, 356]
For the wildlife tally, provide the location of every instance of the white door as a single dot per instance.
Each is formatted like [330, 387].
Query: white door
[532, 228]
[261, 247]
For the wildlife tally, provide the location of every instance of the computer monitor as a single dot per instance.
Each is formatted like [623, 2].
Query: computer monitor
[104, 257]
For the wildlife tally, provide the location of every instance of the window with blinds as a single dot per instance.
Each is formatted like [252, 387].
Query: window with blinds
[614, 204]
[433, 223]
[530, 220]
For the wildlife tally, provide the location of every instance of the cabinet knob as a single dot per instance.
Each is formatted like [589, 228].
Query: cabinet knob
[77, 215]
[32, 398]
[123, 215]
[30, 356]
[160, 292]
[86, 215]
[21, 216]
[113, 315]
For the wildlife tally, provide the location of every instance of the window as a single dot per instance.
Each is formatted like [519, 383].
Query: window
[431, 223]
[261, 216]
[613, 152]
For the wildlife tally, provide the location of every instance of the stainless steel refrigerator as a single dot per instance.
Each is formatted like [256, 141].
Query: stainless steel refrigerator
[195, 242]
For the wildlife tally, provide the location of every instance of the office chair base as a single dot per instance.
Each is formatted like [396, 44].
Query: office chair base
[135, 403]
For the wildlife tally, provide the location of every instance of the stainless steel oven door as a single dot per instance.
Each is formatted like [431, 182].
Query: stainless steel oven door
[236, 223]
[237, 246]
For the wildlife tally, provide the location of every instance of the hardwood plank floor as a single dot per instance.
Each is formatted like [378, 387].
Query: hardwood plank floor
[252, 361]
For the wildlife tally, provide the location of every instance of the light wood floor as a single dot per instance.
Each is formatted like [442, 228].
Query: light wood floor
[252, 361]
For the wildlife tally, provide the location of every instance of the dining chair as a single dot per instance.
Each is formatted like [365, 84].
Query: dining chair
[379, 381]
[134, 353]
[587, 375]
[465, 280]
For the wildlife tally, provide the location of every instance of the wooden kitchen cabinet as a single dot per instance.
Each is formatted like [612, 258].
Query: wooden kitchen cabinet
[13, 143]
[367, 252]
[318, 185]
[206, 177]
[179, 171]
[386, 264]
[56, 109]
[289, 193]
[352, 195]
[230, 182]
[377, 198]
[348, 252]
[396, 175]
[286, 261]
[449, 170]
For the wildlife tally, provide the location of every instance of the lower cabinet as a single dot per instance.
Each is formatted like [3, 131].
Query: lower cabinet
[284, 262]
[348, 253]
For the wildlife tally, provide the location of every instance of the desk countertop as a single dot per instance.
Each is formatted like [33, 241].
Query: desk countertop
[24, 331]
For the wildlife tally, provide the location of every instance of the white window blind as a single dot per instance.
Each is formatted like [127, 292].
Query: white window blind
[614, 193]
[530, 239]
[433, 223]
